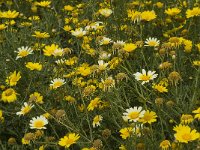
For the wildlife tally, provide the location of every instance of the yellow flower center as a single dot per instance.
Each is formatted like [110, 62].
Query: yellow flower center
[145, 77]
[26, 109]
[38, 124]
[186, 137]
[23, 53]
[152, 43]
[9, 92]
[134, 115]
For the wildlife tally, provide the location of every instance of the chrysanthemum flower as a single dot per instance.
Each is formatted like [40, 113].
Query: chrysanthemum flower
[149, 117]
[105, 41]
[56, 83]
[96, 120]
[2, 27]
[36, 97]
[133, 114]
[160, 88]
[23, 52]
[135, 16]
[9, 95]
[102, 65]
[165, 145]
[41, 35]
[129, 47]
[145, 76]
[25, 109]
[13, 78]
[197, 113]
[38, 122]
[185, 134]
[172, 11]
[78, 32]
[126, 132]
[68, 140]
[152, 42]
[43, 4]
[34, 66]
[148, 15]
[9, 14]
[94, 104]
[106, 12]
[186, 119]
[193, 12]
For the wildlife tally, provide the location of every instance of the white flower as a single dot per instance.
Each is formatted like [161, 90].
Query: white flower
[133, 114]
[106, 12]
[102, 65]
[145, 76]
[152, 42]
[96, 120]
[78, 32]
[38, 122]
[105, 41]
[56, 83]
[58, 52]
[94, 26]
[25, 109]
[23, 52]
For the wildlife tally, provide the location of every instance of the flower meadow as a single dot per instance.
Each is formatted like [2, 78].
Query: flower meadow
[100, 74]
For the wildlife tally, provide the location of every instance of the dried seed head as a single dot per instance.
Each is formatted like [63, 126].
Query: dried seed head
[165, 65]
[174, 77]
[97, 144]
[29, 136]
[170, 103]
[12, 141]
[106, 133]
[159, 101]
[60, 113]
[140, 146]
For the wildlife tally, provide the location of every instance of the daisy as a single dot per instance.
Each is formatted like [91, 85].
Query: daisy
[68, 140]
[145, 76]
[56, 83]
[96, 120]
[78, 32]
[152, 42]
[102, 65]
[105, 41]
[38, 122]
[23, 52]
[25, 109]
[133, 114]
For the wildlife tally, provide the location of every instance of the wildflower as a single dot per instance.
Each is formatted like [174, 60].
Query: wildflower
[34, 66]
[96, 120]
[129, 47]
[13, 78]
[185, 134]
[172, 11]
[25, 109]
[122, 147]
[78, 32]
[165, 145]
[68, 140]
[97, 144]
[148, 15]
[197, 113]
[41, 35]
[105, 41]
[126, 132]
[149, 117]
[36, 97]
[152, 42]
[68, 8]
[67, 28]
[193, 12]
[160, 88]
[102, 65]
[23, 52]
[9, 95]
[145, 77]
[196, 63]
[174, 78]
[70, 99]
[43, 3]
[133, 114]
[56, 83]
[89, 90]
[2, 27]
[135, 16]
[58, 52]
[159, 4]
[104, 55]
[25, 142]
[84, 70]
[186, 118]
[106, 12]
[107, 84]
[50, 49]
[165, 65]
[94, 104]
[38, 122]
[9, 14]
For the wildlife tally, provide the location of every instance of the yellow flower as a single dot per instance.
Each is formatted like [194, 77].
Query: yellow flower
[129, 47]
[70, 99]
[84, 71]
[94, 104]
[2, 27]
[34, 66]
[185, 134]
[148, 15]
[149, 117]
[186, 119]
[106, 12]
[197, 113]
[159, 4]
[1, 116]
[13, 78]
[135, 16]
[9, 14]
[96, 121]
[43, 3]
[49, 49]
[67, 28]
[25, 142]
[196, 63]
[68, 140]
[193, 12]
[37, 97]
[9, 95]
[126, 132]
[165, 145]
[122, 147]
[68, 8]
[41, 35]
[160, 88]
[172, 11]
